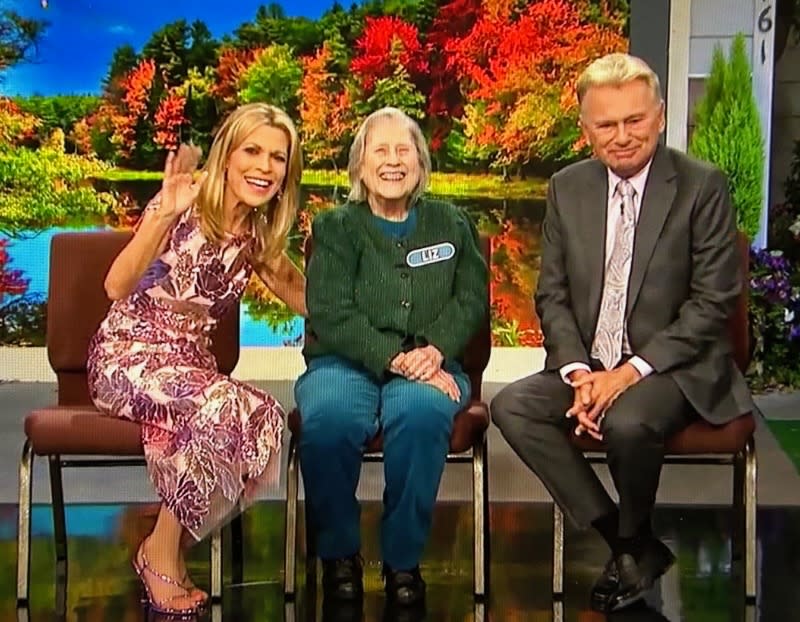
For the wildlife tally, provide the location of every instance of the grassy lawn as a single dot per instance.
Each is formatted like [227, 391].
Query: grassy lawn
[446, 184]
[788, 434]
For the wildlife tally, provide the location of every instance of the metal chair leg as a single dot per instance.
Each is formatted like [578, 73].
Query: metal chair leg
[478, 521]
[737, 525]
[24, 525]
[59, 531]
[486, 526]
[216, 566]
[558, 552]
[290, 544]
[311, 546]
[237, 548]
[750, 504]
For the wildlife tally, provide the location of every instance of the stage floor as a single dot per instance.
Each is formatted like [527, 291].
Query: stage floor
[702, 586]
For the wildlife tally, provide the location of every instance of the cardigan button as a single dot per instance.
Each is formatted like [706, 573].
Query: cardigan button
[404, 275]
[405, 303]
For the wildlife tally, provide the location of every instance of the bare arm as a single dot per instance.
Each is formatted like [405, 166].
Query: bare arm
[177, 194]
[147, 243]
[286, 281]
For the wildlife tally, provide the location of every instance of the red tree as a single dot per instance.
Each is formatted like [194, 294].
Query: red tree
[519, 72]
[135, 86]
[446, 100]
[168, 120]
[386, 43]
[11, 281]
[231, 65]
[325, 108]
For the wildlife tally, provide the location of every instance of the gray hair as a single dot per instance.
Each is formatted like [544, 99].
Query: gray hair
[358, 192]
[615, 70]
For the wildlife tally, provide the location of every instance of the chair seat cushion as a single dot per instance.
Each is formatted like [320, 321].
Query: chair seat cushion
[469, 427]
[699, 437]
[75, 430]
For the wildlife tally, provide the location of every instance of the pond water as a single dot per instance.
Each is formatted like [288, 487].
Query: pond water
[515, 225]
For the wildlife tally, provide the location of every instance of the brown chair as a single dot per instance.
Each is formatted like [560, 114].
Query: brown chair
[702, 443]
[76, 305]
[467, 444]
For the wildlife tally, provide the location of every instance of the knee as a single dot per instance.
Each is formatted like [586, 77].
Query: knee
[326, 421]
[621, 430]
[421, 411]
[500, 408]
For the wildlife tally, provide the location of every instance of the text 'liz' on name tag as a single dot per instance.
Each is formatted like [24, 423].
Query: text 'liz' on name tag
[430, 254]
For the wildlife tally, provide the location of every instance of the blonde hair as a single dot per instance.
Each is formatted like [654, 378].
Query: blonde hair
[273, 222]
[615, 70]
[358, 191]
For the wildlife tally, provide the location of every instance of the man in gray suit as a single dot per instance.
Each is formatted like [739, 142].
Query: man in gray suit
[639, 275]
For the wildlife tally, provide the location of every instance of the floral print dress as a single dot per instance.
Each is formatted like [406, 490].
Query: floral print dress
[208, 439]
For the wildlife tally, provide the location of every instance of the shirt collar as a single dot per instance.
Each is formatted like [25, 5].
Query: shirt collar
[638, 181]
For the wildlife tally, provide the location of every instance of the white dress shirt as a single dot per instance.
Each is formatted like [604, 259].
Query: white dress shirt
[613, 214]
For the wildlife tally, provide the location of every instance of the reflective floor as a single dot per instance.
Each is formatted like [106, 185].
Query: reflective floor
[702, 586]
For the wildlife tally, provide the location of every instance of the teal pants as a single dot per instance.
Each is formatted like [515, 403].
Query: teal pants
[342, 407]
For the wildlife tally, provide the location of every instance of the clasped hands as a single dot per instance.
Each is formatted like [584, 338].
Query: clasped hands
[595, 392]
[424, 364]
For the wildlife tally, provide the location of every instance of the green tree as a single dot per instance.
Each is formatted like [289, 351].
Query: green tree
[272, 27]
[169, 48]
[122, 62]
[728, 132]
[203, 48]
[18, 38]
[273, 78]
[59, 111]
[398, 91]
[46, 187]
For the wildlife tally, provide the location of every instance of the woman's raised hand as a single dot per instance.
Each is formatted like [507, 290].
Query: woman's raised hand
[179, 189]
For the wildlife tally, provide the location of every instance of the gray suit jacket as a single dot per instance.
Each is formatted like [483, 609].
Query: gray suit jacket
[683, 284]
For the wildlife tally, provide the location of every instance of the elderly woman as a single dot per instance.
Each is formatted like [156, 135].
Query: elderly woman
[396, 288]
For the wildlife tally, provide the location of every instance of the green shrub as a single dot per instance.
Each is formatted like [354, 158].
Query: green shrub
[728, 132]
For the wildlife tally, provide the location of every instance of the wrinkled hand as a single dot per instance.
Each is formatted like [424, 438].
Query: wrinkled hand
[445, 382]
[581, 405]
[421, 363]
[394, 366]
[606, 387]
[179, 190]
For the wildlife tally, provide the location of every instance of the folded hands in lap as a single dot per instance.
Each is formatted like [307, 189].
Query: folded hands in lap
[425, 365]
[595, 392]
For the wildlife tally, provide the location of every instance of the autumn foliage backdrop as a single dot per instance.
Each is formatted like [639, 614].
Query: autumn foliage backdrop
[490, 81]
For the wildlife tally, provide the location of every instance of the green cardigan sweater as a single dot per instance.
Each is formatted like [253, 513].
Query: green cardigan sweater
[370, 297]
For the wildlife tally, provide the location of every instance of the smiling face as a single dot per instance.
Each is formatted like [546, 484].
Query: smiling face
[622, 123]
[257, 167]
[390, 168]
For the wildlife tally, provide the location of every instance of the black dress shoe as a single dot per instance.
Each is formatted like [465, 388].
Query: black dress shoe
[656, 558]
[633, 584]
[403, 587]
[343, 578]
[605, 587]
[611, 594]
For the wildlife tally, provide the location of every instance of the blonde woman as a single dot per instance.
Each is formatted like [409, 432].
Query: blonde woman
[207, 439]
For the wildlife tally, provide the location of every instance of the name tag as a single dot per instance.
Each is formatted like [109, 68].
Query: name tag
[430, 254]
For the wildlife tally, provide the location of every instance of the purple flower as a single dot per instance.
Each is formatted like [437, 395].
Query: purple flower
[157, 271]
[211, 281]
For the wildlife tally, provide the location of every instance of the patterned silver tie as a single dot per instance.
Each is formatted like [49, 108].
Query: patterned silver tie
[610, 332]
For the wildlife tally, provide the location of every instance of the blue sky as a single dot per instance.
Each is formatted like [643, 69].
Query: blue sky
[76, 49]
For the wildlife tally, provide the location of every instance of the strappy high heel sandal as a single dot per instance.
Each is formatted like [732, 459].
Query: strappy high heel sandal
[142, 568]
